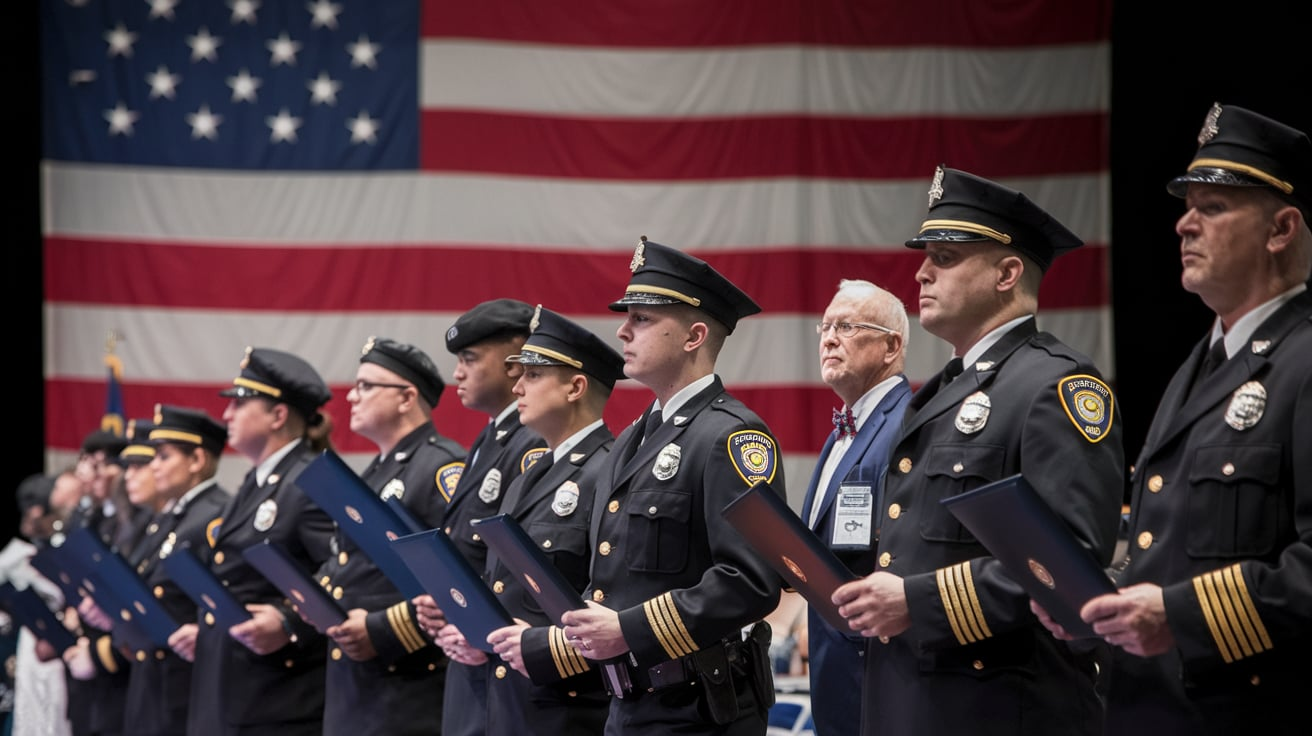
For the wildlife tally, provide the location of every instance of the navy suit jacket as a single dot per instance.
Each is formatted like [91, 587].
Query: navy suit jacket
[836, 660]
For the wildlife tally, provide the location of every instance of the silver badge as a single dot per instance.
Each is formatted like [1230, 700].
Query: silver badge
[395, 488]
[265, 515]
[567, 498]
[491, 488]
[974, 413]
[1247, 404]
[667, 463]
[1259, 347]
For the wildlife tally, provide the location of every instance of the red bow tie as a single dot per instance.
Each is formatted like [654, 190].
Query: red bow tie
[844, 422]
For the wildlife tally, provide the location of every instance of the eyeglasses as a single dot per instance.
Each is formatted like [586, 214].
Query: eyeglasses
[848, 329]
[363, 387]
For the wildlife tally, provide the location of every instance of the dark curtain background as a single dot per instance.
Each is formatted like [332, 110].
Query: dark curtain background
[1170, 60]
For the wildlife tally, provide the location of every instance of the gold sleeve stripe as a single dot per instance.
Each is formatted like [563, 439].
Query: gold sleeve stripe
[568, 661]
[1230, 614]
[105, 651]
[668, 626]
[956, 588]
[407, 633]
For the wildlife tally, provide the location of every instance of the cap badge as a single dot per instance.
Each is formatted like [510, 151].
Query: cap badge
[537, 319]
[451, 333]
[974, 413]
[368, 345]
[667, 463]
[265, 515]
[1088, 403]
[246, 359]
[159, 414]
[638, 259]
[395, 488]
[753, 455]
[1247, 405]
[1210, 128]
[567, 498]
[936, 186]
[491, 488]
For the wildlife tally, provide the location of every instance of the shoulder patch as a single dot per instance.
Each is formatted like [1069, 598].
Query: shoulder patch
[532, 456]
[753, 455]
[1089, 405]
[448, 476]
[212, 531]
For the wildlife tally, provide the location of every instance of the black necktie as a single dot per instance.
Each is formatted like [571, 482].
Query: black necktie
[1210, 362]
[952, 370]
[652, 424]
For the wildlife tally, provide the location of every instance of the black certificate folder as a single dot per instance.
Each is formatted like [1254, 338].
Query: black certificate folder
[520, 554]
[464, 598]
[764, 518]
[1035, 546]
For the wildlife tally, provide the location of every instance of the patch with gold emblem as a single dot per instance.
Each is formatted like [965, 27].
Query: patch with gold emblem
[490, 490]
[753, 455]
[1089, 405]
[1247, 405]
[974, 413]
[567, 498]
[667, 462]
[212, 531]
[395, 488]
[448, 477]
[531, 457]
[265, 515]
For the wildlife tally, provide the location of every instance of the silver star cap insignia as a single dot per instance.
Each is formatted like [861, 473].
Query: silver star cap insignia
[936, 187]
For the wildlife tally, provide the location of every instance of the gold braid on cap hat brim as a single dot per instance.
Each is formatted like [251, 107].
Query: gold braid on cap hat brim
[969, 227]
[263, 388]
[173, 435]
[1219, 163]
[661, 291]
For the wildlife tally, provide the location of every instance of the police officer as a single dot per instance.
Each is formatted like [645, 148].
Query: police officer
[481, 339]
[184, 449]
[1212, 622]
[384, 675]
[672, 583]
[265, 675]
[568, 375]
[955, 648]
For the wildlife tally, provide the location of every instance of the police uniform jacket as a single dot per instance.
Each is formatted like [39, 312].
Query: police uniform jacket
[503, 452]
[975, 659]
[565, 695]
[835, 656]
[235, 690]
[159, 686]
[394, 692]
[664, 557]
[1222, 518]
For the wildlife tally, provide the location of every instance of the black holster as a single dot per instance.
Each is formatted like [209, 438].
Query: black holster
[757, 649]
[716, 676]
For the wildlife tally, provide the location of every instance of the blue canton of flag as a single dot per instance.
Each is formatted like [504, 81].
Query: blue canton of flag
[241, 84]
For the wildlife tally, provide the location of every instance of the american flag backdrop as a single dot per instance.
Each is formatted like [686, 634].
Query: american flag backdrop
[304, 174]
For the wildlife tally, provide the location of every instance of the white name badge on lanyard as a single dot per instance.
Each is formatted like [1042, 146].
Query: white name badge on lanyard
[853, 508]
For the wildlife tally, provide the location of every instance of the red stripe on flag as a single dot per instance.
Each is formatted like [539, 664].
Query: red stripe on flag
[702, 149]
[698, 23]
[450, 279]
[73, 411]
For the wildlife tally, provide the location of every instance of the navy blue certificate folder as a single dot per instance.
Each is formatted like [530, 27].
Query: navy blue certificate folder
[361, 515]
[458, 590]
[114, 578]
[1036, 547]
[310, 600]
[520, 554]
[60, 568]
[30, 609]
[780, 536]
[202, 586]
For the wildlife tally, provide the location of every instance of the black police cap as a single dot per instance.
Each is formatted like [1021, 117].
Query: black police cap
[1238, 147]
[964, 208]
[663, 275]
[34, 490]
[558, 341]
[102, 440]
[408, 362]
[138, 449]
[187, 426]
[495, 318]
[283, 377]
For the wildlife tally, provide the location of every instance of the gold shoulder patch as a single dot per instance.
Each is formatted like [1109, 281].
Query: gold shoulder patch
[753, 455]
[1089, 405]
[448, 477]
